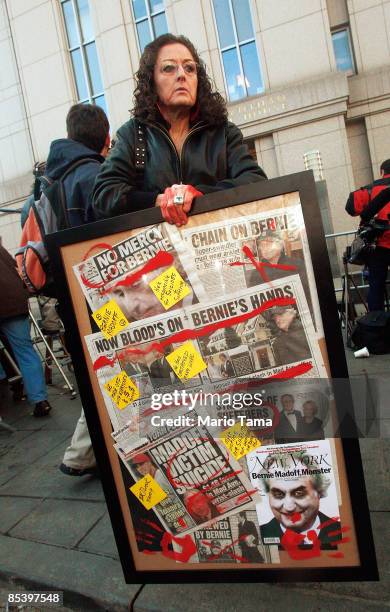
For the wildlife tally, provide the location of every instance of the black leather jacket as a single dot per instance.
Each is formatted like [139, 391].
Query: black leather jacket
[211, 159]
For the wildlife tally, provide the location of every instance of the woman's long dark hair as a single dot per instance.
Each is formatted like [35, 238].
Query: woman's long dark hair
[211, 105]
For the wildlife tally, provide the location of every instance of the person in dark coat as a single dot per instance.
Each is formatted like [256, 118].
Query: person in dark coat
[187, 143]
[135, 368]
[227, 370]
[271, 251]
[310, 427]
[378, 261]
[290, 423]
[272, 532]
[15, 325]
[248, 537]
[160, 372]
[88, 132]
[289, 344]
[88, 137]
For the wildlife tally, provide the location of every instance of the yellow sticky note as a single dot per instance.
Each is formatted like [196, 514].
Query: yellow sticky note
[186, 361]
[148, 491]
[110, 319]
[239, 440]
[169, 287]
[122, 390]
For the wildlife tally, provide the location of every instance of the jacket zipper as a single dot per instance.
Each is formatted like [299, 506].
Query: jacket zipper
[196, 128]
[190, 133]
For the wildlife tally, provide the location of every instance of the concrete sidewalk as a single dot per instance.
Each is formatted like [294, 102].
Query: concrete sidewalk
[55, 532]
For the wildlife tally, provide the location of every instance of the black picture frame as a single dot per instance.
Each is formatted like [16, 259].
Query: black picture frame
[303, 183]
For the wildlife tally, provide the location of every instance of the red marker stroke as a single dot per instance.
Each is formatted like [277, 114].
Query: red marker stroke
[160, 260]
[192, 334]
[261, 265]
[98, 245]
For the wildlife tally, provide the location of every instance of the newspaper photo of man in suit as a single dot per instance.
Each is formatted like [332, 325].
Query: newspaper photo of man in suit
[290, 424]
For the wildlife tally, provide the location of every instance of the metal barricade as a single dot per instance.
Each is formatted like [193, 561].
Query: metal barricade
[47, 353]
[350, 283]
[336, 244]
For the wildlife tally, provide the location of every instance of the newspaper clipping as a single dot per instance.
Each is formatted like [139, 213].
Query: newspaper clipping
[253, 341]
[256, 346]
[202, 481]
[300, 502]
[222, 251]
[102, 276]
[133, 350]
[235, 539]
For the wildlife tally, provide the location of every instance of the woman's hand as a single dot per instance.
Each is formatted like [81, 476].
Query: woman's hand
[172, 211]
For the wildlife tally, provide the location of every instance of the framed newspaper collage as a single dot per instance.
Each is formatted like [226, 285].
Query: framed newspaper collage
[205, 357]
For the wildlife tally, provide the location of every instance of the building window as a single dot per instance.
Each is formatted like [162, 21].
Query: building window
[150, 20]
[238, 48]
[343, 50]
[82, 49]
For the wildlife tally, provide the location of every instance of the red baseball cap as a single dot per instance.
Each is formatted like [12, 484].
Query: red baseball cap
[141, 458]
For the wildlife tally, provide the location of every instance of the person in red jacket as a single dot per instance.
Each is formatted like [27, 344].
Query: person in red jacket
[379, 259]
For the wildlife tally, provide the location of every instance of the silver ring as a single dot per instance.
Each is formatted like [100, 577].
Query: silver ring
[178, 199]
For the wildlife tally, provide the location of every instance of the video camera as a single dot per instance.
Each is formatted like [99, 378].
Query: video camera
[373, 229]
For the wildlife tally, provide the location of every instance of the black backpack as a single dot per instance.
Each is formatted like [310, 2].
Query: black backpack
[47, 214]
[373, 331]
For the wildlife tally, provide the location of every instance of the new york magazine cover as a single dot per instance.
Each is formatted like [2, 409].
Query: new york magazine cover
[300, 497]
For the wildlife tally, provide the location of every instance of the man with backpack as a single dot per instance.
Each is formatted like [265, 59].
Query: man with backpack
[75, 161]
[64, 198]
[374, 201]
[87, 145]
